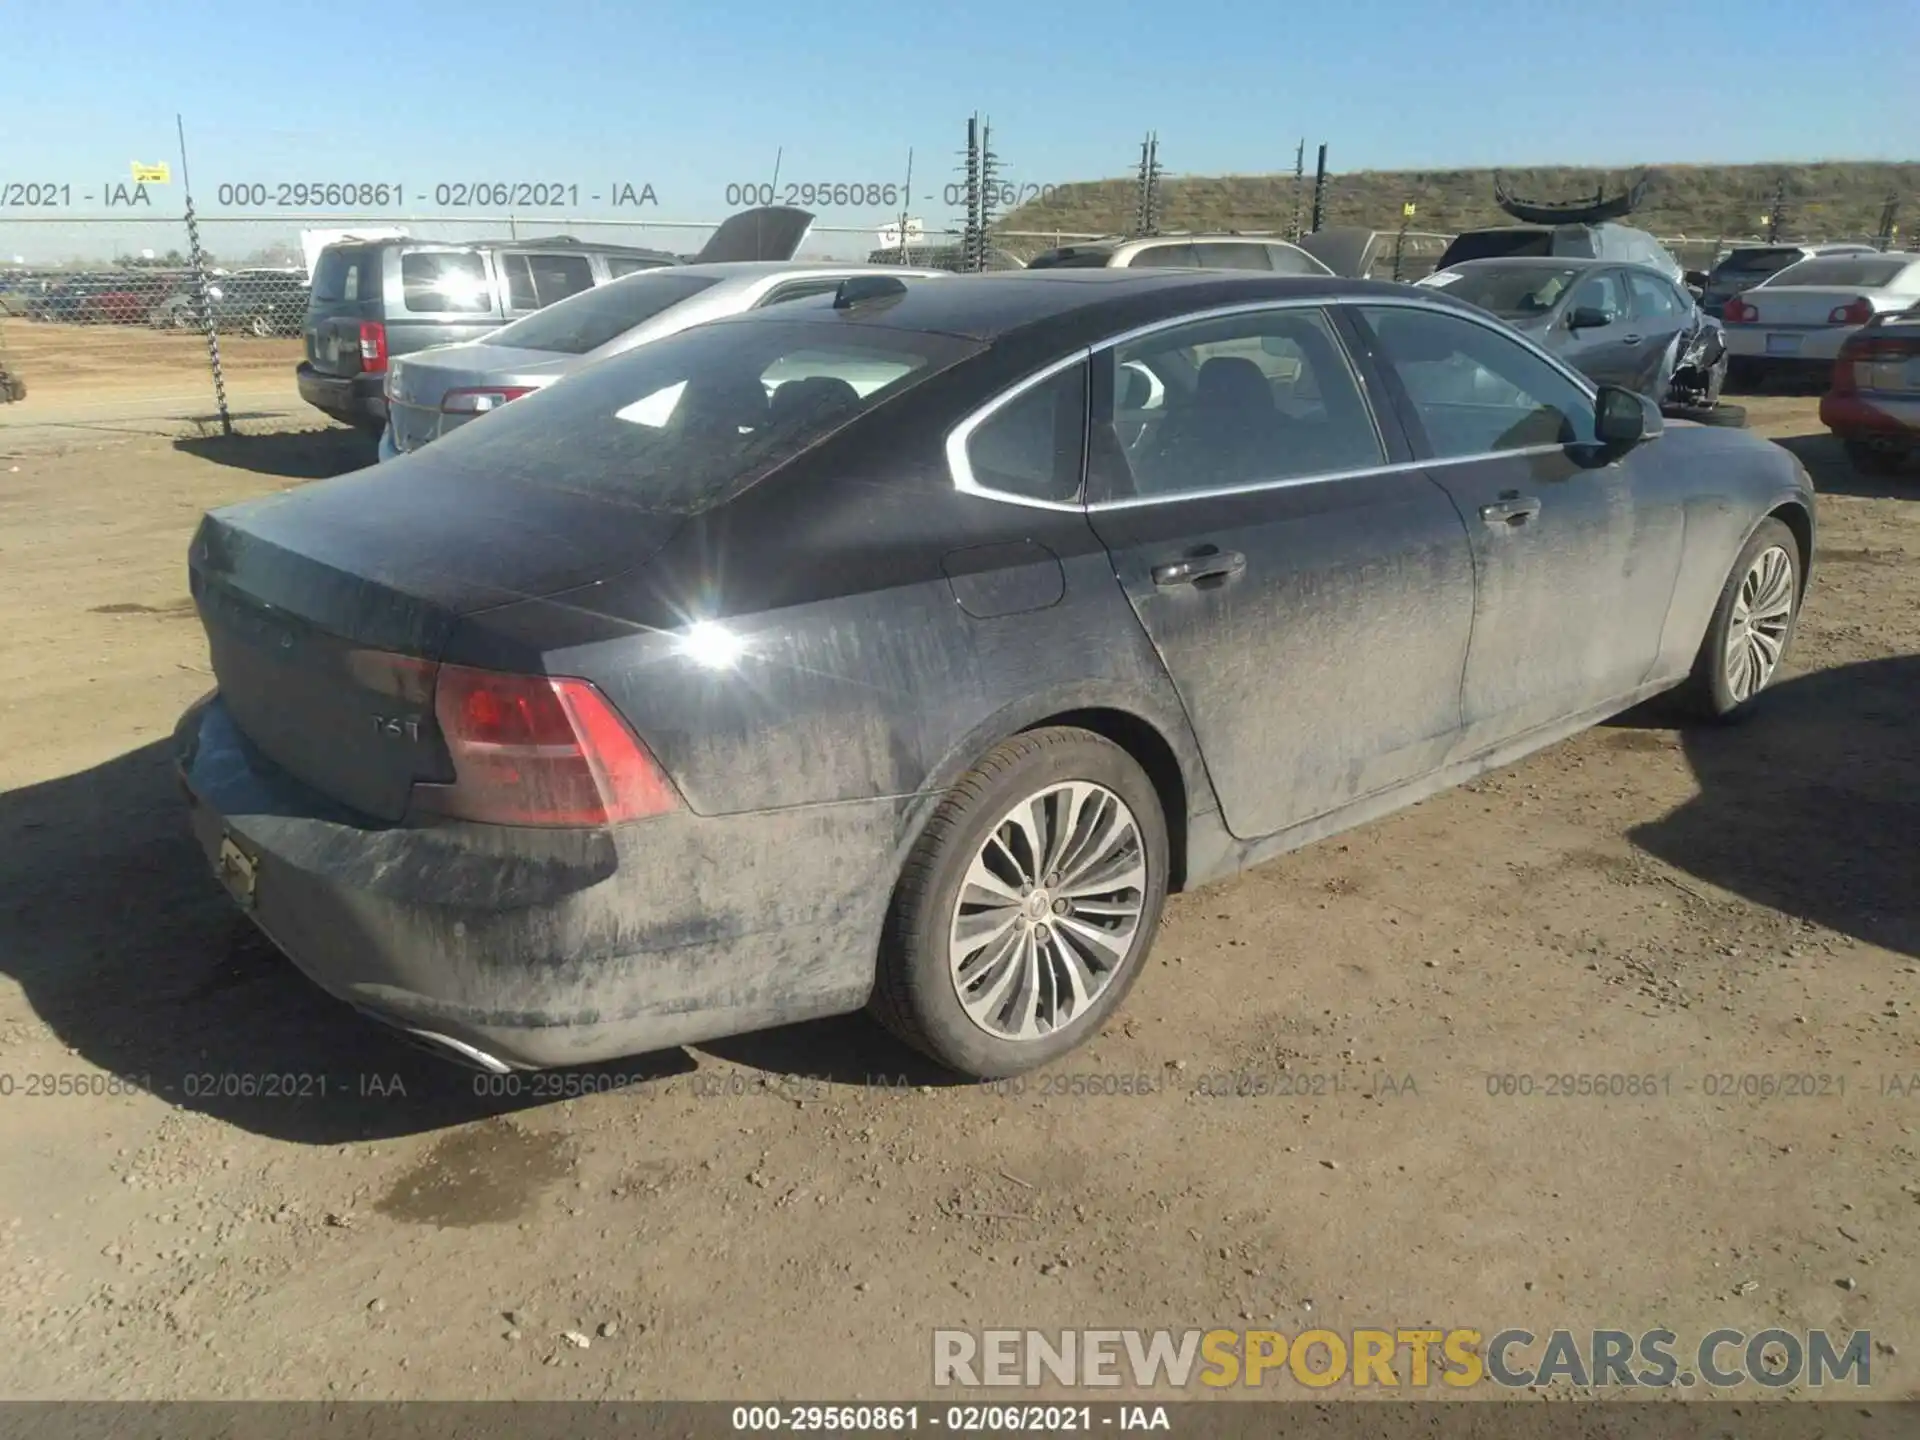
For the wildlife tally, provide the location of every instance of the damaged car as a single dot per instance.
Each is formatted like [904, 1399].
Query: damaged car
[1618, 324]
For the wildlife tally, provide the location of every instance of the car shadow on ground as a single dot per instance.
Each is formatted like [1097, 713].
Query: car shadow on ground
[1834, 474]
[1812, 807]
[127, 948]
[292, 454]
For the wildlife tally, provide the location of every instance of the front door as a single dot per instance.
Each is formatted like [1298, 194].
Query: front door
[1311, 598]
[1575, 568]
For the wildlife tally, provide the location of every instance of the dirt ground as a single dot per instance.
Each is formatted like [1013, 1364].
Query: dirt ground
[791, 1214]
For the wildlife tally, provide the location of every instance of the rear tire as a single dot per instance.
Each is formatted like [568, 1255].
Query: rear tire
[1750, 634]
[1042, 965]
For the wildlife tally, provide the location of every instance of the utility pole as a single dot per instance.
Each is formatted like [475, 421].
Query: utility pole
[1299, 186]
[1319, 187]
[1146, 202]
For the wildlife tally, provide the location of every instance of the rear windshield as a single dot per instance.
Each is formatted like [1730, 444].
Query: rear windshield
[1757, 262]
[1867, 272]
[586, 322]
[438, 282]
[1492, 244]
[683, 424]
[1515, 292]
[345, 272]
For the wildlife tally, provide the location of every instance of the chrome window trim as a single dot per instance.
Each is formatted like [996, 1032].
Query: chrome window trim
[967, 484]
[961, 467]
[1134, 502]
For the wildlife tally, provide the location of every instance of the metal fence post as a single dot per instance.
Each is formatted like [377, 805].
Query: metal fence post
[198, 258]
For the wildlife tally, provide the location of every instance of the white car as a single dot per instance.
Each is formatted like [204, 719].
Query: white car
[1798, 318]
[434, 391]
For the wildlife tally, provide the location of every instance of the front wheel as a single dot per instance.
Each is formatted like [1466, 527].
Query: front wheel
[1028, 906]
[1751, 629]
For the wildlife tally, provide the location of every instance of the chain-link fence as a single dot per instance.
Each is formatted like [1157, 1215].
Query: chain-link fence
[134, 312]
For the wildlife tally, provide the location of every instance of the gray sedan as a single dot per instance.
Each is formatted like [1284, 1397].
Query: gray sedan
[1617, 324]
[437, 390]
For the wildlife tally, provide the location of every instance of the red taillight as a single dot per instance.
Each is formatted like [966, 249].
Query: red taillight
[1854, 312]
[1739, 312]
[1869, 349]
[539, 750]
[479, 401]
[373, 346]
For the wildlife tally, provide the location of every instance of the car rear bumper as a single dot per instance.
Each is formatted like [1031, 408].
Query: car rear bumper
[358, 400]
[1874, 415]
[529, 949]
[1812, 344]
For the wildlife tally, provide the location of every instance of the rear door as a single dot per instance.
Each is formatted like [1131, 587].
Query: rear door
[1575, 566]
[347, 289]
[1310, 597]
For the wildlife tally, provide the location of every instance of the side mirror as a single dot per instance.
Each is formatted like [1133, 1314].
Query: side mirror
[1696, 279]
[1698, 292]
[1587, 317]
[1624, 418]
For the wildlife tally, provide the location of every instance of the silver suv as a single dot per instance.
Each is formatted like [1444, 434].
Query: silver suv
[1184, 252]
[376, 299]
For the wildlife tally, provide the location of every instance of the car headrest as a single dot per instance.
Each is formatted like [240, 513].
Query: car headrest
[1232, 382]
[813, 398]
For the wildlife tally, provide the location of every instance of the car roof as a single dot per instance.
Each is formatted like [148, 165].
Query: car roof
[800, 269]
[1076, 303]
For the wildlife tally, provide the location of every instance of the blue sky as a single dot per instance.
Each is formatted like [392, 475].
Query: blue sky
[691, 96]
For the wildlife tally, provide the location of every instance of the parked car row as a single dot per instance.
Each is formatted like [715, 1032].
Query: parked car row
[255, 301]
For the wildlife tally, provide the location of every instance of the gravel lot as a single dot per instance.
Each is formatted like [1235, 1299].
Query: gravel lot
[790, 1214]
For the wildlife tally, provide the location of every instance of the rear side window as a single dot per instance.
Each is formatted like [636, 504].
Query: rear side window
[1033, 445]
[1866, 272]
[1067, 259]
[437, 282]
[1289, 260]
[344, 274]
[535, 281]
[1218, 255]
[684, 423]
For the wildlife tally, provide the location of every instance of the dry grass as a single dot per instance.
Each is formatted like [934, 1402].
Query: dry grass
[1825, 200]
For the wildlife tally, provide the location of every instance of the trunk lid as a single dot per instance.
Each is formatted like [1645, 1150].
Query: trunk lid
[418, 384]
[1812, 304]
[768, 232]
[307, 598]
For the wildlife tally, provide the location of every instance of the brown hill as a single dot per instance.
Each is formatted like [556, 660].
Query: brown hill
[1823, 200]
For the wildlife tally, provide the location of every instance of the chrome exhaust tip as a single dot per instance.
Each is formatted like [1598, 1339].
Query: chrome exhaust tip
[444, 1046]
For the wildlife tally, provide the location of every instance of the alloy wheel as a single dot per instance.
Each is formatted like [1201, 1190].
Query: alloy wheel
[1757, 629]
[1048, 911]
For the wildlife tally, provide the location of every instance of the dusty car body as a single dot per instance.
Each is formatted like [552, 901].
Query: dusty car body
[656, 709]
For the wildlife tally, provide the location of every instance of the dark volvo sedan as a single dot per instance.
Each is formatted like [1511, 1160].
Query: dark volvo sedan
[906, 647]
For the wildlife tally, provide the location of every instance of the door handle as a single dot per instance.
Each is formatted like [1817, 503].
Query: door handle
[1511, 509]
[1213, 565]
